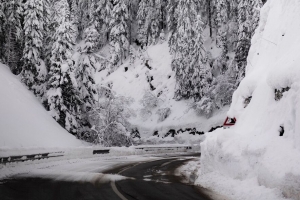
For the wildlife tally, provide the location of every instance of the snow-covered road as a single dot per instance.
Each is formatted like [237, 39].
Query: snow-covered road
[150, 177]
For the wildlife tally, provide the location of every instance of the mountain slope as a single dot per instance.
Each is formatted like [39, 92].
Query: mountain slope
[24, 123]
[158, 81]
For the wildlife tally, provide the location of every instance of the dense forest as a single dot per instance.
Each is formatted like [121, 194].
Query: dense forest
[38, 39]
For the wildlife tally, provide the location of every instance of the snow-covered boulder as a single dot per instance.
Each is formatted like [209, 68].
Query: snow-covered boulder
[263, 148]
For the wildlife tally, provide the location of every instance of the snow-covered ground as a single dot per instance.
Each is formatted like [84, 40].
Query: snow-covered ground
[23, 120]
[251, 160]
[134, 84]
[221, 187]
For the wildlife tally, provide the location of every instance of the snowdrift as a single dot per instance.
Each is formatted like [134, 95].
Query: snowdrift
[24, 123]
[252, 156]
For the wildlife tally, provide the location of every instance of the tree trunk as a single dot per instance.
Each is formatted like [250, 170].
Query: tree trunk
[209, 18]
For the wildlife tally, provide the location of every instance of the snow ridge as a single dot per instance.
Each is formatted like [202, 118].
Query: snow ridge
[253, 150]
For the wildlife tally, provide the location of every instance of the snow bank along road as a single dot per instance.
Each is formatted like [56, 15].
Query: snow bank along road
[138, 178]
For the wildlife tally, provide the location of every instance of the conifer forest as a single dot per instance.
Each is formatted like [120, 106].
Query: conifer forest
[53, 47]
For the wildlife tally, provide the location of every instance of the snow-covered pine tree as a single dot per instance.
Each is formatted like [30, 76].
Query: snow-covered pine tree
[172, 24]
[47, 11]
[244, 37]
[201, 75]
[205, 8]
[52, 9]
[14, 35]
[119, 31]
[144, 7]
[150, 15]
[131, 5]
[232, 24]
[222, 26]
[154, 21]
[2, 32]
[255, 14]
[86, 8]
[189, 59]
[74, 18]
[102, 18]
[34, 71]
[85, 72]
[161, 6]
[63, 96]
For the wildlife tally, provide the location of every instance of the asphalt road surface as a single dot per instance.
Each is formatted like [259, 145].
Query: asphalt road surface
[154, 180]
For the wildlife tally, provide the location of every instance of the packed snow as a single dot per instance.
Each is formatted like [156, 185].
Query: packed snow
[24, 123]
[259, 157]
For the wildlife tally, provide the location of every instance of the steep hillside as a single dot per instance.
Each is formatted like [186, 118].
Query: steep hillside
[24, 123]
[151, 88]
[259, 157]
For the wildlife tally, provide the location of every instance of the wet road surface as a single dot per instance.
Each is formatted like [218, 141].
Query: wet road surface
[154, 180]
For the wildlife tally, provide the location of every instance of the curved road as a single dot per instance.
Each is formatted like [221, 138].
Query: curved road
[153, 180]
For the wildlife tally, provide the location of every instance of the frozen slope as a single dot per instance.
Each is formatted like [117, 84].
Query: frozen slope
[251, 160]
[134, 84]
[24, 123]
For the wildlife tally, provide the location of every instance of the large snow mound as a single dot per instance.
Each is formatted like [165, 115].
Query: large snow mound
[253, 151]
[24, 123]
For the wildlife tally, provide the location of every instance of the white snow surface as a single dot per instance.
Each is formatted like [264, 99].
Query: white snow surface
[251, 160]
[24, 123]
[133, 84]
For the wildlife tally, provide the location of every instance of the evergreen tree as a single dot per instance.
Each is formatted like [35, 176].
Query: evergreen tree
[154, 21]
[172, 24]
[34, 72]
[186, 12]
[74, 19]
[86, 69]
[47, 11]
[255, 14]
[86, 9]
[142, 14]
[189, 62]
[150, 14]
[201, 77]
[52, 13]
[119, 31]
[102, 18]
[221, 22]
[244, 38]
[63, 97]
[14, 35]
[2, 30]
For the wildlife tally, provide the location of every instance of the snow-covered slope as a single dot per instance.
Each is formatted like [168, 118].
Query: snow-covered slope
[134, 83]
[251, 156]
[24, 123]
